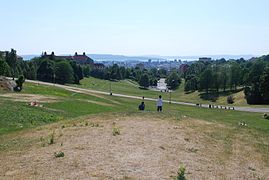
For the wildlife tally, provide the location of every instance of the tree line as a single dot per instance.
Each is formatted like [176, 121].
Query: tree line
[44, 69]
[144, 77]
[221, 75]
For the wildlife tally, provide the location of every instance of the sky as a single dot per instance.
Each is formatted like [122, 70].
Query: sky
[135, 27]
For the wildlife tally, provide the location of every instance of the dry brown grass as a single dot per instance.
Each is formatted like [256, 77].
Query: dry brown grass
[148, 147]
[30, 98]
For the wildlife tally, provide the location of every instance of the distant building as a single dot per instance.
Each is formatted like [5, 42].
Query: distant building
[80, 59]
[5, 53]
[205, 59]
[99, 66]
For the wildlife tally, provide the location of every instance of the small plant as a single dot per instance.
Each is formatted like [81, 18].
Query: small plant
[266, 116]
[52, 138]
[116, 131]
[42, 140]
[181, 173]
[230, 99]
[59, 154]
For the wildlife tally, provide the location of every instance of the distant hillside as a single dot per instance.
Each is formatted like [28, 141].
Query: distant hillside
[227, 57]
[110, 57]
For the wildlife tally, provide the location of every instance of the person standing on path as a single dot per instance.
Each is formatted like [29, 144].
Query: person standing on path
[160, 104]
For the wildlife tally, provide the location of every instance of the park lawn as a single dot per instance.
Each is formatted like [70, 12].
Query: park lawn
[130, 87]
[19, 115]
[73, 108]
[15, 115]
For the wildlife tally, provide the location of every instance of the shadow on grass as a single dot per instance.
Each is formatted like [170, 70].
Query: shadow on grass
[143, 88]
[213, 96]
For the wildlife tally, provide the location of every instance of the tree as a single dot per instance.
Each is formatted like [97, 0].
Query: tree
[144, 81]
[4, 68]
[64, 72]
[264, 86]
[224, 76]
[235, 75]
[11, 59]
[191, 83]
[173, 80]
[206, 80]
[86, 71]
[45, 71]
[78, 74]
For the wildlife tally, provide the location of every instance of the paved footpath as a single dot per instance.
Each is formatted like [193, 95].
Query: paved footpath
[81, 90]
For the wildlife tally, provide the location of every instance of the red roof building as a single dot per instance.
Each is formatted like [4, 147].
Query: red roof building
[80, 59]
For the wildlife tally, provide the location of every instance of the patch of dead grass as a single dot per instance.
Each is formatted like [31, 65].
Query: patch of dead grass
[149, 147]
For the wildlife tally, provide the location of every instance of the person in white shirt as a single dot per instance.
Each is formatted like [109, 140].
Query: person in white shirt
[160, 104]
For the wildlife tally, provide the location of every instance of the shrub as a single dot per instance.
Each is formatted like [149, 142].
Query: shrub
[266, 116]
[230, 99]
[51, 138]
[19, 83]
[59, 154]
[181, 173]
[116, 131]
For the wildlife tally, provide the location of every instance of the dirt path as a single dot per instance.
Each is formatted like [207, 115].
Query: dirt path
[147, 148]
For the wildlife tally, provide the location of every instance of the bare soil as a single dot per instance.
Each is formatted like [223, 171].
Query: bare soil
[29, 97]
[148, 147]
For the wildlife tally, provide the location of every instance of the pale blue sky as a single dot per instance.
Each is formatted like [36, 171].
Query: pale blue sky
[135, 27]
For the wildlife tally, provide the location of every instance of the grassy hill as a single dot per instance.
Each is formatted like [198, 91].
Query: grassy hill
[209, 142]
[132, 88]
[60, 104]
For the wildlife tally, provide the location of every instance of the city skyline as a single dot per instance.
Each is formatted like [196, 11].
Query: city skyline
[136, 28]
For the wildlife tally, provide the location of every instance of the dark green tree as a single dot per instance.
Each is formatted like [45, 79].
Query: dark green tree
[11, 59]
[64, 72]
[4, 67]
[173, 80]
[45, 71]
[144, 81]
[206, 80]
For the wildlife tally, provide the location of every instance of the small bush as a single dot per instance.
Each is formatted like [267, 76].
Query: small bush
[266, 116]
[230, 99]
[181, 173]
[59, 154]
[116, 131]
[52, 138]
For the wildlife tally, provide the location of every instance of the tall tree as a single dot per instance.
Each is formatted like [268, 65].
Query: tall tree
[144, 80]
[64, 72]
[206, 80]
[45, 71]
[4, 67]
[12, 61]
[173, 80]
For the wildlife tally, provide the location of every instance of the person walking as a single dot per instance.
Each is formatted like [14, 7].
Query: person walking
[160, 104]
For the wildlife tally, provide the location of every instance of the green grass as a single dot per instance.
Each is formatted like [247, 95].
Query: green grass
[129, 87]
[18, 115]
[74, 108]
